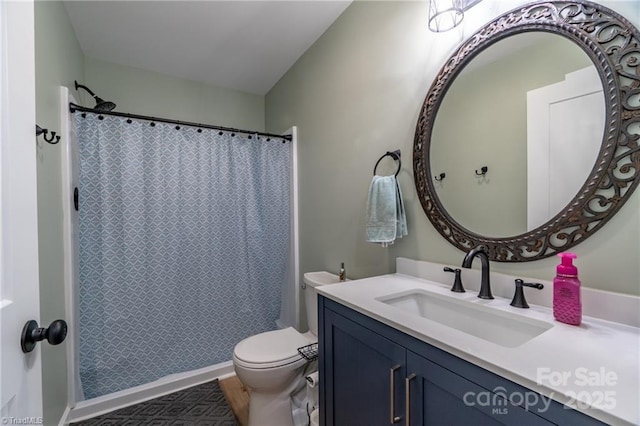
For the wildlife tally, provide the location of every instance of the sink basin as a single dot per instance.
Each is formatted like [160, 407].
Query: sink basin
[502, 328]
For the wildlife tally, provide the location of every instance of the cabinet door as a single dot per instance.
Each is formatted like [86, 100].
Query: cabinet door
[363, 377]
[440, 397]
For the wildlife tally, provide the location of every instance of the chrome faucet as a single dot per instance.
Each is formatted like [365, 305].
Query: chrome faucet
[485, 284]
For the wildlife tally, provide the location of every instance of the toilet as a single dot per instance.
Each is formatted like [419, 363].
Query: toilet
[271, 367]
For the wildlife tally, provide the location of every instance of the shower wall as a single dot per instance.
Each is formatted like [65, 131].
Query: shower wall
[60, 61]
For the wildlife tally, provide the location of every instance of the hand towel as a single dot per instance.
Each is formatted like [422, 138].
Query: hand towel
[386, 219]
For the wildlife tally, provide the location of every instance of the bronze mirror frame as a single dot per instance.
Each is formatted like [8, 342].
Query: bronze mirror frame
[613, 44]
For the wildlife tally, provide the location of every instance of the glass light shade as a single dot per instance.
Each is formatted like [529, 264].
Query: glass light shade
[445, 14]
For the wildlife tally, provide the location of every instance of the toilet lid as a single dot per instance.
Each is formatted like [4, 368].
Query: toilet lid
[279, 346]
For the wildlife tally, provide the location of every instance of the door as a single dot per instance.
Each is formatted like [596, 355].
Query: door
[565, 126]
[364, 374]
[20, 375]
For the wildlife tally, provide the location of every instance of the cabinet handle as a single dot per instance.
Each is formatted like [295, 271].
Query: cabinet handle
[407, 393]
[393, 419]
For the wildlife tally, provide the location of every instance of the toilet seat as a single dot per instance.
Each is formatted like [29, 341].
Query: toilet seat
[271, 349]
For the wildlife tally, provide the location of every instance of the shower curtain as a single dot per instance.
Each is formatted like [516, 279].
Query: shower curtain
[184, 246]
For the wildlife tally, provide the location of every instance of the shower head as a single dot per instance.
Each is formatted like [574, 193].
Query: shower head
[101, 104]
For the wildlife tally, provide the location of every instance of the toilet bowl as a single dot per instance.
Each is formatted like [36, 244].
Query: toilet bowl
[270, 365]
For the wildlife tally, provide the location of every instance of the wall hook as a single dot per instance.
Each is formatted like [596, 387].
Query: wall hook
[483, 171]
[441, 177]
[45, 132]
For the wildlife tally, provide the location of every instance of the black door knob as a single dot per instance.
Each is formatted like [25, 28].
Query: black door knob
[32, 334]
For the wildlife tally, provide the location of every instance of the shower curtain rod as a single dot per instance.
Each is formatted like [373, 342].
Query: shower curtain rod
[74, 107]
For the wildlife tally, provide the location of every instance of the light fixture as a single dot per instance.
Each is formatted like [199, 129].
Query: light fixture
[447, 14]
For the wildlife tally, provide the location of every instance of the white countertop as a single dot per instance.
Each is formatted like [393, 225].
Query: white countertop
[599, 359]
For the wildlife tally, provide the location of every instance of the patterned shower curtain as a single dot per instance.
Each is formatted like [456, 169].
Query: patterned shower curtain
[184, 246]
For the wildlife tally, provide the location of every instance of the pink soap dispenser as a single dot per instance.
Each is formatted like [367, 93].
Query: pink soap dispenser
[567, 307]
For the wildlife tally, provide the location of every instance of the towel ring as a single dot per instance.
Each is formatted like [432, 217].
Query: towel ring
[393, 154]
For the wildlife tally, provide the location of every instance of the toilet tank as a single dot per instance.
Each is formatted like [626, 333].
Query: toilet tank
[313, 280]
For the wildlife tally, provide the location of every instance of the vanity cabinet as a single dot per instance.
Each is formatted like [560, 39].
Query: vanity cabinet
[372, 374]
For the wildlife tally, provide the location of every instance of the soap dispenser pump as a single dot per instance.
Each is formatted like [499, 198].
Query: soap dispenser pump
[567, 306]
[342, 276]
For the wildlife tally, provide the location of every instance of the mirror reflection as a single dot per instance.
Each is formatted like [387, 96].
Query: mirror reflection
[531, 109]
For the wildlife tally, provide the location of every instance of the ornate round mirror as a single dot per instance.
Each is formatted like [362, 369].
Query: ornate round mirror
[528, 140]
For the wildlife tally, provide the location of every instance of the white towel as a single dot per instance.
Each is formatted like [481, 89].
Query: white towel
[386, 219]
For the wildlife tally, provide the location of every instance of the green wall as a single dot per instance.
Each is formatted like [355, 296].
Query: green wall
[355, 94]
[59, 61]
[149, 93]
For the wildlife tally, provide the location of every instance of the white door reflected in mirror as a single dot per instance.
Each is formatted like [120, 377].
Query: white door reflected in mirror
[565, 123]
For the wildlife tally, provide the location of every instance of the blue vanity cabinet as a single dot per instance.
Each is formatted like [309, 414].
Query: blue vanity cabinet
[366, 375]
[372, 374]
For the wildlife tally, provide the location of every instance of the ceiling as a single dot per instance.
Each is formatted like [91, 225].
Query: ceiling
[242, 45]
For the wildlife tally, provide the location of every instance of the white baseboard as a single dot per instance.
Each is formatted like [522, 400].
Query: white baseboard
[84, 410]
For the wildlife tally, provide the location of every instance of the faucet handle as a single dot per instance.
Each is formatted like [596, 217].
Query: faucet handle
[518, 297]
[457, 282]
